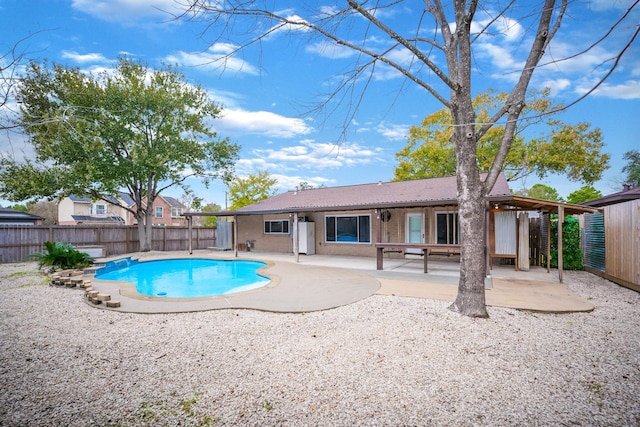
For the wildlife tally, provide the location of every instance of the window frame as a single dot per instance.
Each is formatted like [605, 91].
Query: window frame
[281, 221]
[156, 210]
[456, 228]
[176, 212]
[358, 223]
[99, 209]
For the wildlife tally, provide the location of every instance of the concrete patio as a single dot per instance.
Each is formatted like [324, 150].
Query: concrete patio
[320, 282]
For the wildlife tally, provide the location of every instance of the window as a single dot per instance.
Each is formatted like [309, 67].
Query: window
[158, 211]
[278, 226]
[348, 229]
[447, 229]
[100, 209]
[176, 212]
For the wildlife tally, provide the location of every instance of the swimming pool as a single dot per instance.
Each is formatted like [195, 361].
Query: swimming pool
[186, 278]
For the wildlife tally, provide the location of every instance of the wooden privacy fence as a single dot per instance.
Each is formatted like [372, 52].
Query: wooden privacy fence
[621, 253]
[17, 242]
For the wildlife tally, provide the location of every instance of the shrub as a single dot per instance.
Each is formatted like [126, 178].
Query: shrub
[63, 256]
[571, 251]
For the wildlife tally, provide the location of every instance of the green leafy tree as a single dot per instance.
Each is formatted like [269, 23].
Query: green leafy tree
[542, 192]
[304, 185]
[18, 207]
[583, 194]
[572, 150]
[251, 189]
[132, 130]
[632, 168]
[210, 221]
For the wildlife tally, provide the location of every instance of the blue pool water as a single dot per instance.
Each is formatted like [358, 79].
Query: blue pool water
[186, 278]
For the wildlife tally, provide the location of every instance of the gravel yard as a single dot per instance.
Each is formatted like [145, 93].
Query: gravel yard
[384, 361]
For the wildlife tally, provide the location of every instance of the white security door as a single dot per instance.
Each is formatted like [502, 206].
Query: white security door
[414, 231]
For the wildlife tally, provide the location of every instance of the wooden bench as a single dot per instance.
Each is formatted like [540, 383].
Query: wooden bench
[426, 249]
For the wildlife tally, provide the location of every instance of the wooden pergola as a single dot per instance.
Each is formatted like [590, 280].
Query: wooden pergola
[546, 206]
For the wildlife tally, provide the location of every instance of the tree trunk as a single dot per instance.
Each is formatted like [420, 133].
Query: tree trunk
[145, 231]
[470, 300]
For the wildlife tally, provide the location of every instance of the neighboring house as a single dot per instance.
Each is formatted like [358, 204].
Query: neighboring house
[351, 220]
[167, 211]
[612, 238]
[74, 210]
[14, 217]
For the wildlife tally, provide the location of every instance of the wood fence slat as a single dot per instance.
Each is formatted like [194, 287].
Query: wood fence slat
[18, 242]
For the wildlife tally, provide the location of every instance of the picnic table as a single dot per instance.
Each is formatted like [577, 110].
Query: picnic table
[427, 248]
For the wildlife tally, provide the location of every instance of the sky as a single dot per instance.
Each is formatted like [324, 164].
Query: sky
[276, 94]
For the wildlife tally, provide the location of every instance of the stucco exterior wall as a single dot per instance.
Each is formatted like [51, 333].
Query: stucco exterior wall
[67, 207]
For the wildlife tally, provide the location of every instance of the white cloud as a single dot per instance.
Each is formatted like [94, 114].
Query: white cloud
[310, 156]
[500, 57]
[294, 23]
[330, 50]
[228, 99]
[127, 11]
[556, 85]
[392, 131]
[85, 58]
[261, 122]
[220, 57]
[630, 89]
[504, 26]
[290, 182]
[584, 63]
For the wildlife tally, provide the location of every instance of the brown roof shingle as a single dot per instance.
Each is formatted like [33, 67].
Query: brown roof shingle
[421, 192]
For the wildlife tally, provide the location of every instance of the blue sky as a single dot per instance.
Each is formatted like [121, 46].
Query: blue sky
[269, 91]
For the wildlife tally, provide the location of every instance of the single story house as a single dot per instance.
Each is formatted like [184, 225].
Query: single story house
[15, 217]
[392, 219]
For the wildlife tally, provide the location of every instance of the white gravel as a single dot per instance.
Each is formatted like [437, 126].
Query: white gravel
[384, 361]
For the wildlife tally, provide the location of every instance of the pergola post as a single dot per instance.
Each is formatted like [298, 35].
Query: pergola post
[487, 239]
[560, 222]
[379, 250]
[235, 236]
[296, 239]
